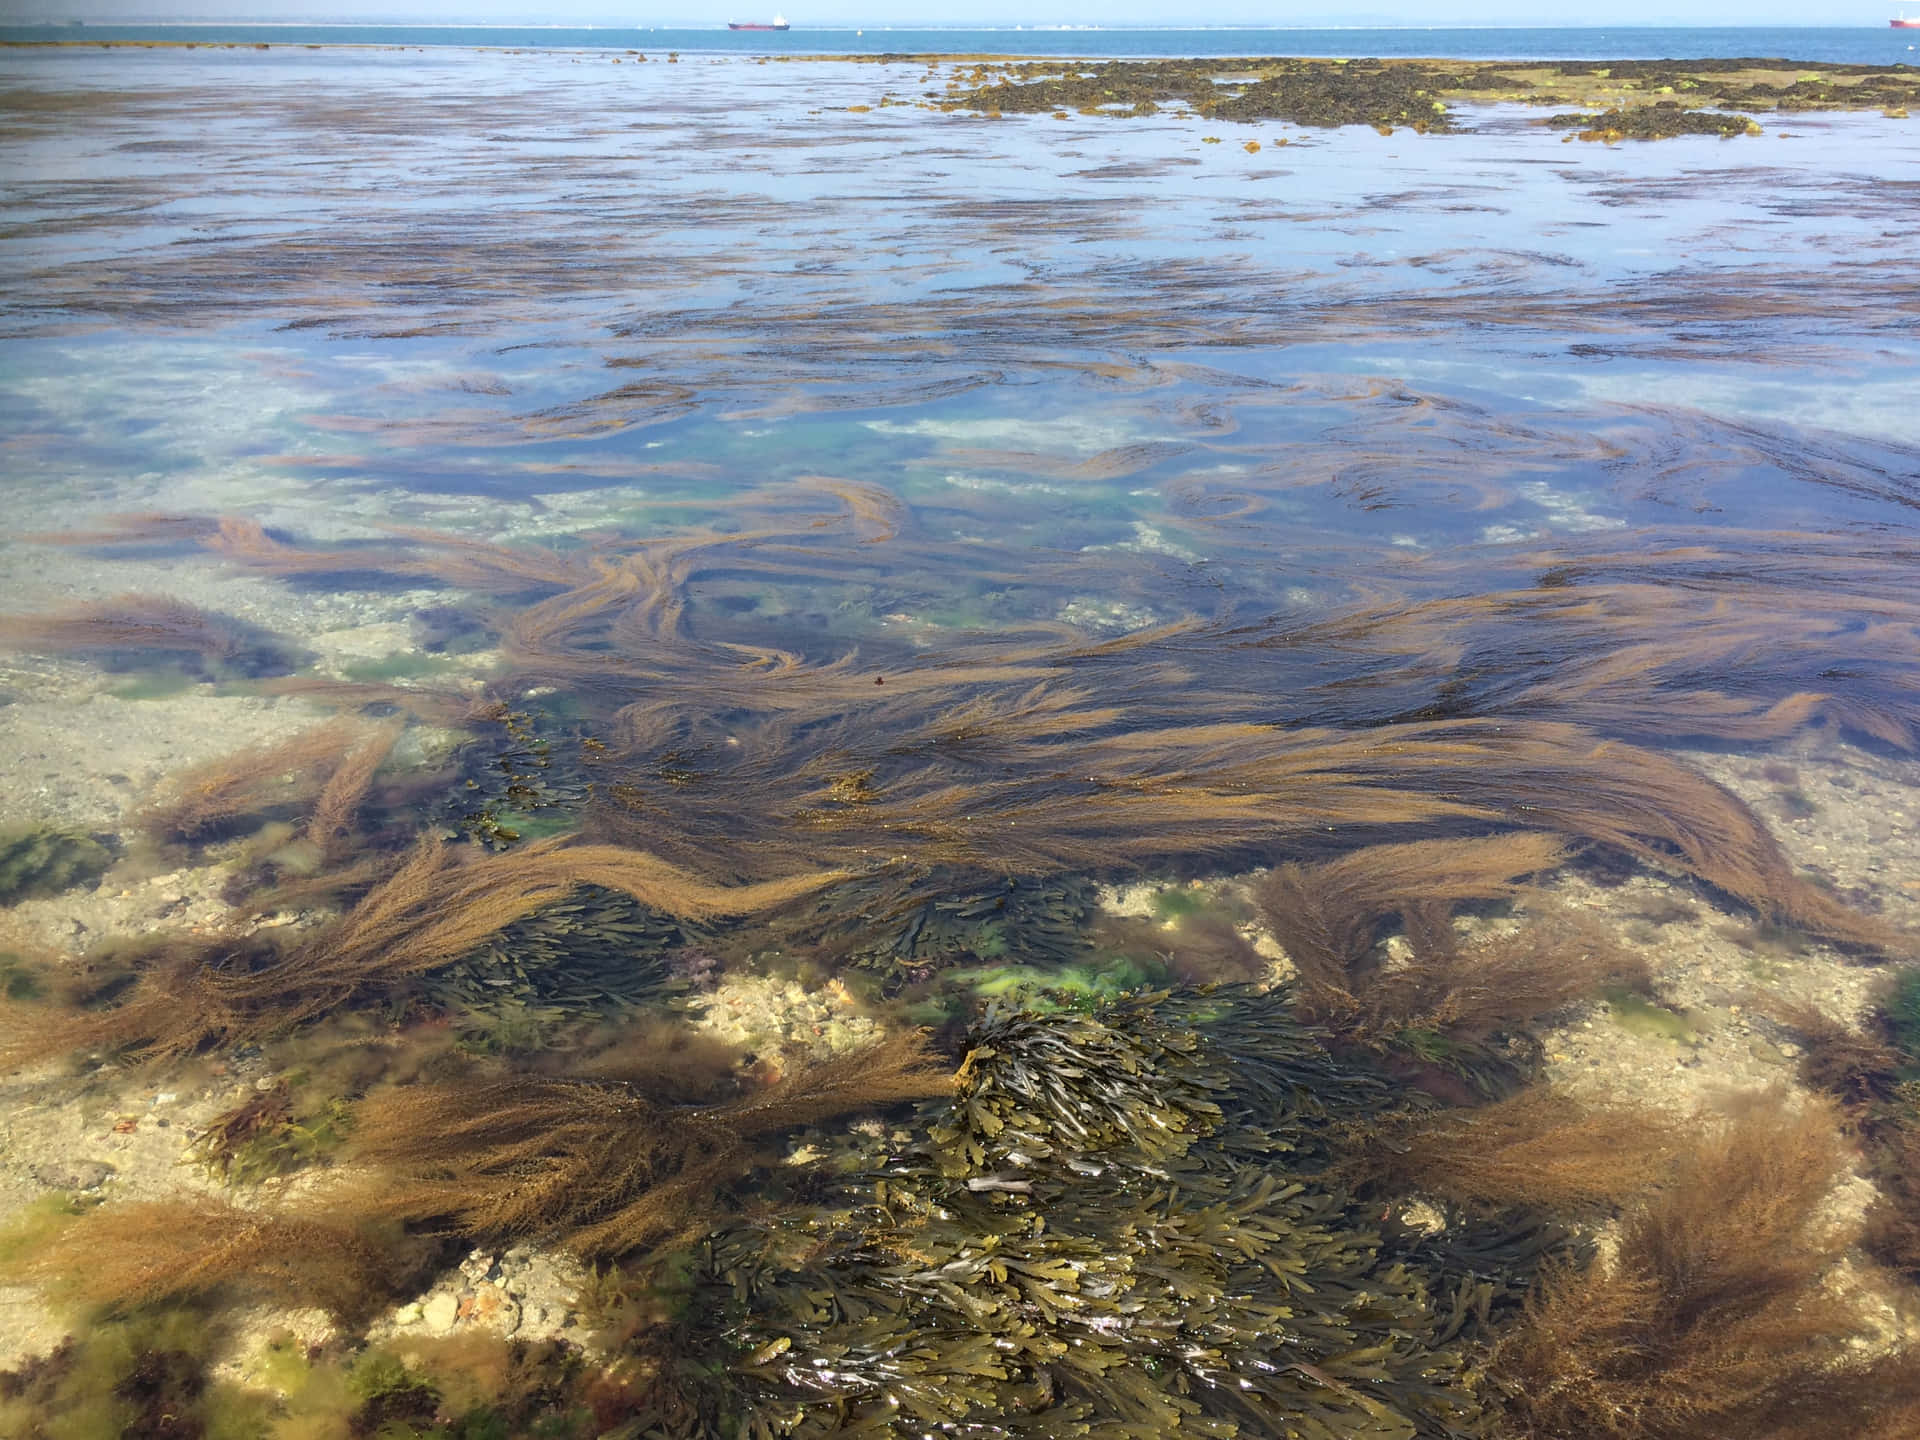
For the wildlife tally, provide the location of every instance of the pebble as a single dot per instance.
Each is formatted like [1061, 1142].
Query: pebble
[440, 1312]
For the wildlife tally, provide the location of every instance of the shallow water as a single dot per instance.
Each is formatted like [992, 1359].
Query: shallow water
[886, 492]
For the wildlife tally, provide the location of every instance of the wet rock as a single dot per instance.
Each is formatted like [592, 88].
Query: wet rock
[441, 1312]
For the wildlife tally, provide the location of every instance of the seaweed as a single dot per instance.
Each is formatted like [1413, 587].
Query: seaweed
[595, 952]
[1661, 120]
[439, 908]
[134, 632]
[1306, 92]
[508, 785]
[121, 1257]
[268, 781]
[1711, 1316]
[1457, 1008]
[602, 1162]
[1118, 1225]
[45, 860]
[1874, 1073]
[1537, 1150]
[905, 927]
[264, 1136]
[139, 1378]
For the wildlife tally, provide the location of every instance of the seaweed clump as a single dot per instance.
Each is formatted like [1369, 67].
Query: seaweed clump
[1663, 120]
[1874, 1073]
[1119, 1225]
[1305, 92]
[603, 1161]
[596, 952]
[904, 930]
[1712, 1317]
[1447, 1011]
[45, 860]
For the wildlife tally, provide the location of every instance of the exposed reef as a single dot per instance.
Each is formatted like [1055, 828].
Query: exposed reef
[1423, 95]
[1660, 121]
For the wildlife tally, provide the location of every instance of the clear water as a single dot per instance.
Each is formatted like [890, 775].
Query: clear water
[1006, 497]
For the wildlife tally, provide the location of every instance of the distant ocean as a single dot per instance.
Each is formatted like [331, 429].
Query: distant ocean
[1865, 45]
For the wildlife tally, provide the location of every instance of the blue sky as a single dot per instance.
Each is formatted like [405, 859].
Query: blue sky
[920, 12]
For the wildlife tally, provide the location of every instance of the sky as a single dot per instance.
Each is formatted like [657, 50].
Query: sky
[909, 13]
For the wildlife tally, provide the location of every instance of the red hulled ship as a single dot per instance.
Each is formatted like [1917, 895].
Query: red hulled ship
[779, 22]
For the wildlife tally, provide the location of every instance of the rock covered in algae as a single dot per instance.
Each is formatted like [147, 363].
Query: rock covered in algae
[907, 927]
[592, 953]
[45, 860]
[1120, 1227]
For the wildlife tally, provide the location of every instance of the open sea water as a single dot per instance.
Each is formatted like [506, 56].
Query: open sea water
[1849, 45]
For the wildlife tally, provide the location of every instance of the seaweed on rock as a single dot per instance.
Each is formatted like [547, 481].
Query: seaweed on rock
[906, 927]
[594, 952]
[1119, 1226]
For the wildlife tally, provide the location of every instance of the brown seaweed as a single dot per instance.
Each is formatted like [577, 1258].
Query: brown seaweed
[435, 908]
[144, 1252]
[1711, 1317]
[600, 1162]
[1536, 1149]
[131, 630]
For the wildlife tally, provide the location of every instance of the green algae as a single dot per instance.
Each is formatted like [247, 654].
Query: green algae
[1177, 903]
[1640, 1016]
[270, 1134]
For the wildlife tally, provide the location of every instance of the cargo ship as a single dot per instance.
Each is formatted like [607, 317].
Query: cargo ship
[779, 22]
[1901, 22]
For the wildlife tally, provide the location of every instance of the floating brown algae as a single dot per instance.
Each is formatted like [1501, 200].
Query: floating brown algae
[257, 783]
[434, 910]
[1109, 768]
[599, 1162]
[329, 828]
[1874, 1074]
[1534, 1149]
[131, 630]
[1453, 1006]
